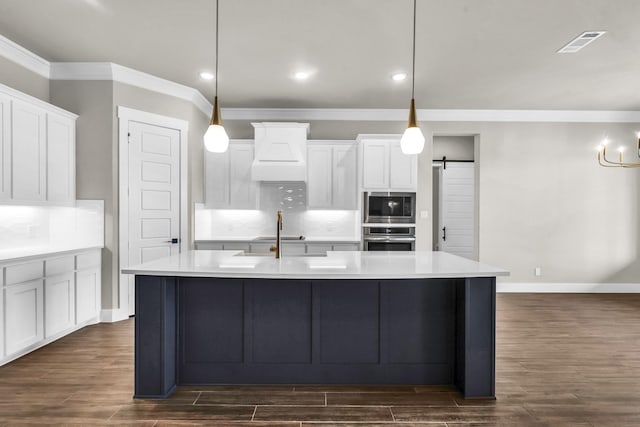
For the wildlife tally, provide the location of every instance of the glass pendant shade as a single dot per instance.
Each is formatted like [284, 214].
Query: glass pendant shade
[216, 139]
[412, 141]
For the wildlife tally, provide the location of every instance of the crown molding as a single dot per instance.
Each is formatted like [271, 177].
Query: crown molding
[21, 56]
[121, 74]
[424, 115]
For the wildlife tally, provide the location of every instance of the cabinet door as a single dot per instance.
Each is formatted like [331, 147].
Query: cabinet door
[242, 189]
[216, 184]
[375, 165]
[345, 181]
[319, 177]
[61, 183]
[5, 149]
[28, 152]
[24, 315]
[403, 169]
[59, 297]
[87, 294]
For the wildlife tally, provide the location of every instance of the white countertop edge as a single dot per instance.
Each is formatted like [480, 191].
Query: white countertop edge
[336, 265]
[311, 276]
[51, 253]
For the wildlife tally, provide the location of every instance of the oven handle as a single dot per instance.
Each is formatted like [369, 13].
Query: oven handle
[389, 239]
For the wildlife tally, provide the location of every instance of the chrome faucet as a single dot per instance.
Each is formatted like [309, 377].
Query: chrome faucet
[277, 247]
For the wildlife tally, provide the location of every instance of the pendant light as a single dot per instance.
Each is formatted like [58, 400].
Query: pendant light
[216, 139]
[412, 141]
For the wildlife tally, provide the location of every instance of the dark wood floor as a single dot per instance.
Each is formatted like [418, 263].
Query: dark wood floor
[562, 360]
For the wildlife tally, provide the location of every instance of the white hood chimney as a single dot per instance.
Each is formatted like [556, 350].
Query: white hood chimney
[280, 152]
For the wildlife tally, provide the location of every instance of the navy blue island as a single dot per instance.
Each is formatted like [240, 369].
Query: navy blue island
[222, 317]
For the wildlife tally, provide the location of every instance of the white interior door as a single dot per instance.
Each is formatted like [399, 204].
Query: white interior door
[456, 217]
[154, 195]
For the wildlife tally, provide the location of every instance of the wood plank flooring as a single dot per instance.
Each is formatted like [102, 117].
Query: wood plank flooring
[562, 360]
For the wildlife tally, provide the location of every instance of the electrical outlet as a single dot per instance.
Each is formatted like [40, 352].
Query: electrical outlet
[538, 271]
[424, 214]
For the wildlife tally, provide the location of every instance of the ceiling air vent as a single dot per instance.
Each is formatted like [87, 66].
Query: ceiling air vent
[581, 41]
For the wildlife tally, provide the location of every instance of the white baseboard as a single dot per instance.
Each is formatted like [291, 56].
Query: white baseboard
[113, 315]
[594, 288]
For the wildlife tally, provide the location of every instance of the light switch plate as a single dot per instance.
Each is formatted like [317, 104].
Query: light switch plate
[424, 214]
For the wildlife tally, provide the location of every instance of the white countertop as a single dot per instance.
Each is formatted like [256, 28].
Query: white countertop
[336, 265]
[26, 254]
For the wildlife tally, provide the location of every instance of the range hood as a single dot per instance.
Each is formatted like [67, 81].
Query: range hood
[280, 152]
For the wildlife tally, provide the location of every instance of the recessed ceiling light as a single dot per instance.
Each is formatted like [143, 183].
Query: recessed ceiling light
[581, 41]
[301, 75]
[398, 77]
[206, 75]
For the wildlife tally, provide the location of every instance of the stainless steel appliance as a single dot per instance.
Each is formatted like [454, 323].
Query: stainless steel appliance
[390, 208]
[387, 238]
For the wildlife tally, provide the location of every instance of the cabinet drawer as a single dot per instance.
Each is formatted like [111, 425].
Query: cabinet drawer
[88, 259]
[346, 247]
[24, 272]
[63, 264]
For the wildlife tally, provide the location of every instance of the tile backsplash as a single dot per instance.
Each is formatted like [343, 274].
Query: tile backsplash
[220, 224]
[25, 227]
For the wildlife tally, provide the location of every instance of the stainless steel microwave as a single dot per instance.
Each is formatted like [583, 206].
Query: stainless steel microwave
[390, 208]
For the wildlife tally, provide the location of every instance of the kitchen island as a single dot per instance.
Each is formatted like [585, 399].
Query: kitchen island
[222, 317]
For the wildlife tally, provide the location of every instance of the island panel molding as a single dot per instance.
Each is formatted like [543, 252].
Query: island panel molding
[436, 327]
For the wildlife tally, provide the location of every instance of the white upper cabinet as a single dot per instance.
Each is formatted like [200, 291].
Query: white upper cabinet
[375, 165]
[61, 182]
[37, 150]
[385, 167]
[332, 175]
[319, 159]
[403, 169]
[5, 148]
[228, 182]
[242, 189]
[28, 151]
[344, 170]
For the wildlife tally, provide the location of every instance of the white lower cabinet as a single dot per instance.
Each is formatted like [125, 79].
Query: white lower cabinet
[24, 323]
[59, 306]
[87, 295]
[47, 298]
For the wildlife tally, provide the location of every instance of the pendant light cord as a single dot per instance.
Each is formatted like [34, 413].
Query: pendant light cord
[217, 25]
[413, 71]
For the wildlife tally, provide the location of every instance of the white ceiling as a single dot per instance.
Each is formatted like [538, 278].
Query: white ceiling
[471, 54]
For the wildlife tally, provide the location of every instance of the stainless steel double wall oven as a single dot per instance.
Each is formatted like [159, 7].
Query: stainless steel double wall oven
[389, 221]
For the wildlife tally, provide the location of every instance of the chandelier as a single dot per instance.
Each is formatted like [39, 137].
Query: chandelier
[620, 163]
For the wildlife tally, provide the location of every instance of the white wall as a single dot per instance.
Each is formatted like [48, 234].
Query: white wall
[96, 104]
[545, 202]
